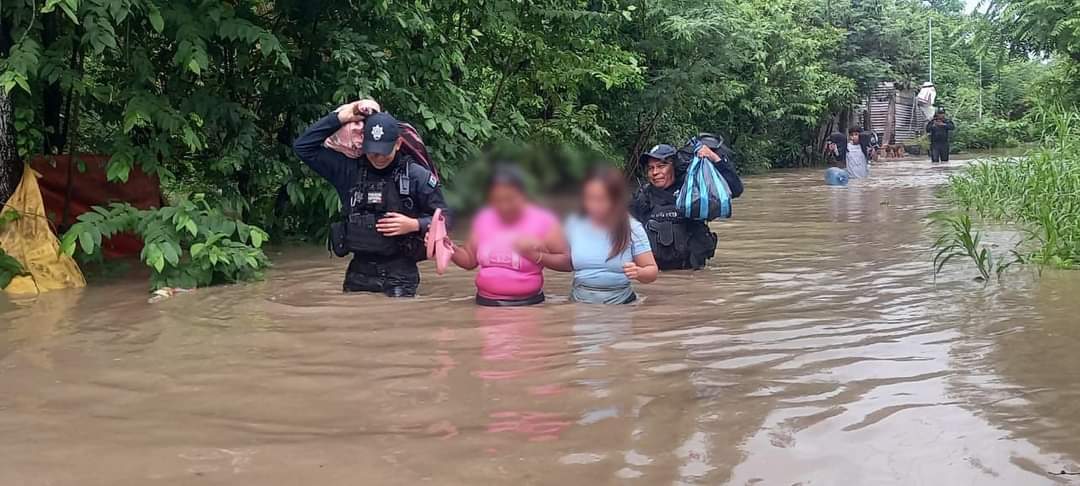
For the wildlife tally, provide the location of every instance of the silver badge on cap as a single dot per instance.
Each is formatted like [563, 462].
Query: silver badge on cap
[376, 132]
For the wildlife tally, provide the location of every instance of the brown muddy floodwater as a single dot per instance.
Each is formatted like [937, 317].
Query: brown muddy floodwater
[816, 350]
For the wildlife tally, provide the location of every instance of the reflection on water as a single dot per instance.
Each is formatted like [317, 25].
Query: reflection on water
[817, 349]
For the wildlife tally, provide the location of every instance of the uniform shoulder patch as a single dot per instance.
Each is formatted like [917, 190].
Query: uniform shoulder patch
[433, 181]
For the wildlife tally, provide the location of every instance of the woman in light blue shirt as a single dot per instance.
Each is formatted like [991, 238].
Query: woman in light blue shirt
[608, 248]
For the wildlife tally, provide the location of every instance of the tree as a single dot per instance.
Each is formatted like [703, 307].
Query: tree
[11, 165]
[1037, 26]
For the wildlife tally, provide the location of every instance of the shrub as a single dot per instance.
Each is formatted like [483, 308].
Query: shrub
[991, 133]
[9, 266]
[186, 245]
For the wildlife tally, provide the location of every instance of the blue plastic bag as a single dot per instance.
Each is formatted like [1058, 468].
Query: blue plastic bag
[704, 195]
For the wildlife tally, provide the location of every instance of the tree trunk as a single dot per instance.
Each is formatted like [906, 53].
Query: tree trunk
[11, 166]
[817, 147]
[646, 129]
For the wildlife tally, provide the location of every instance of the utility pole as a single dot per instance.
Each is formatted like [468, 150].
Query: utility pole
[931, 22]
[980, 88]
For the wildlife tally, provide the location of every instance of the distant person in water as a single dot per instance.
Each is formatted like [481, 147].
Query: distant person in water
[507, 277]
[857, 154]
[836, 150]
[608, 248]
[938, 130]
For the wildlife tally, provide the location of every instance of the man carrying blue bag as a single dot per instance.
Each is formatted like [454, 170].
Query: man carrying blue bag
[676, 224]
[704, 195]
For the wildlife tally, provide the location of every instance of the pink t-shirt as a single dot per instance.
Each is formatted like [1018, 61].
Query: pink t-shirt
[504, 274]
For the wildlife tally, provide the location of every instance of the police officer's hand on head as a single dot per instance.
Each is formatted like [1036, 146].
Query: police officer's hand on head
[396, 224]
[357, 111]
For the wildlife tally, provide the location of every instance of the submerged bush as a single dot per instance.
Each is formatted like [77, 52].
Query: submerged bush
[186, 245]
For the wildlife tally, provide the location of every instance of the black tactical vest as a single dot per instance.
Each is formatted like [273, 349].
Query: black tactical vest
[667, 231]
[370, 199]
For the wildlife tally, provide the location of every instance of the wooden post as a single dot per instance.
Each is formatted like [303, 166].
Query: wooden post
[890, 120]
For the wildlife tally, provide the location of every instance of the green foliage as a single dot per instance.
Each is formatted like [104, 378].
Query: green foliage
[757, 73]
[187, 245]
[884, 41]
[9, 266]
[1048, 29]
[958, 239]
[1040, 191]
[1037, 26]
[992, 133]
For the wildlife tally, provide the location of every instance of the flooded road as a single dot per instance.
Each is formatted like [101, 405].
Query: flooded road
[817, 350]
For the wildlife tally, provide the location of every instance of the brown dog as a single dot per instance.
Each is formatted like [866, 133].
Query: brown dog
[893, 151]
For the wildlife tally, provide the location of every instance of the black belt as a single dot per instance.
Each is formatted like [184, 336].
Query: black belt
[532, 300]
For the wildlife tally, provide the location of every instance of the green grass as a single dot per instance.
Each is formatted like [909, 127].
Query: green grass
[1039, 192]
[959, 239]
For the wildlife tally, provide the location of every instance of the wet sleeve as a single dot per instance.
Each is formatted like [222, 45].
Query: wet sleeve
[639, 241]
[429, 197]
[727, 170]
[325, 162]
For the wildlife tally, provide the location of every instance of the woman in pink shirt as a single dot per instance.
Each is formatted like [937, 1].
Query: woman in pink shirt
[508, 222]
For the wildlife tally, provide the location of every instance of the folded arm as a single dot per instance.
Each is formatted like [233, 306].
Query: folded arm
[552, 252]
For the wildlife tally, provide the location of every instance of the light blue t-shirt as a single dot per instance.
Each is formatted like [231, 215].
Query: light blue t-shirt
[589, 249]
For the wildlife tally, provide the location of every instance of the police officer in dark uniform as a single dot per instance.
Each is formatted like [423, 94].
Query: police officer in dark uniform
[938, 130]
[678, 243]
[387, 201]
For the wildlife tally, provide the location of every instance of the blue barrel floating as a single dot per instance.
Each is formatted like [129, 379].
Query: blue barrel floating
[835, 176]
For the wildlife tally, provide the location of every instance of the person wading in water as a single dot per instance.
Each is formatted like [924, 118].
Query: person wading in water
[938, 130]
[387, 200]
[678, 243]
